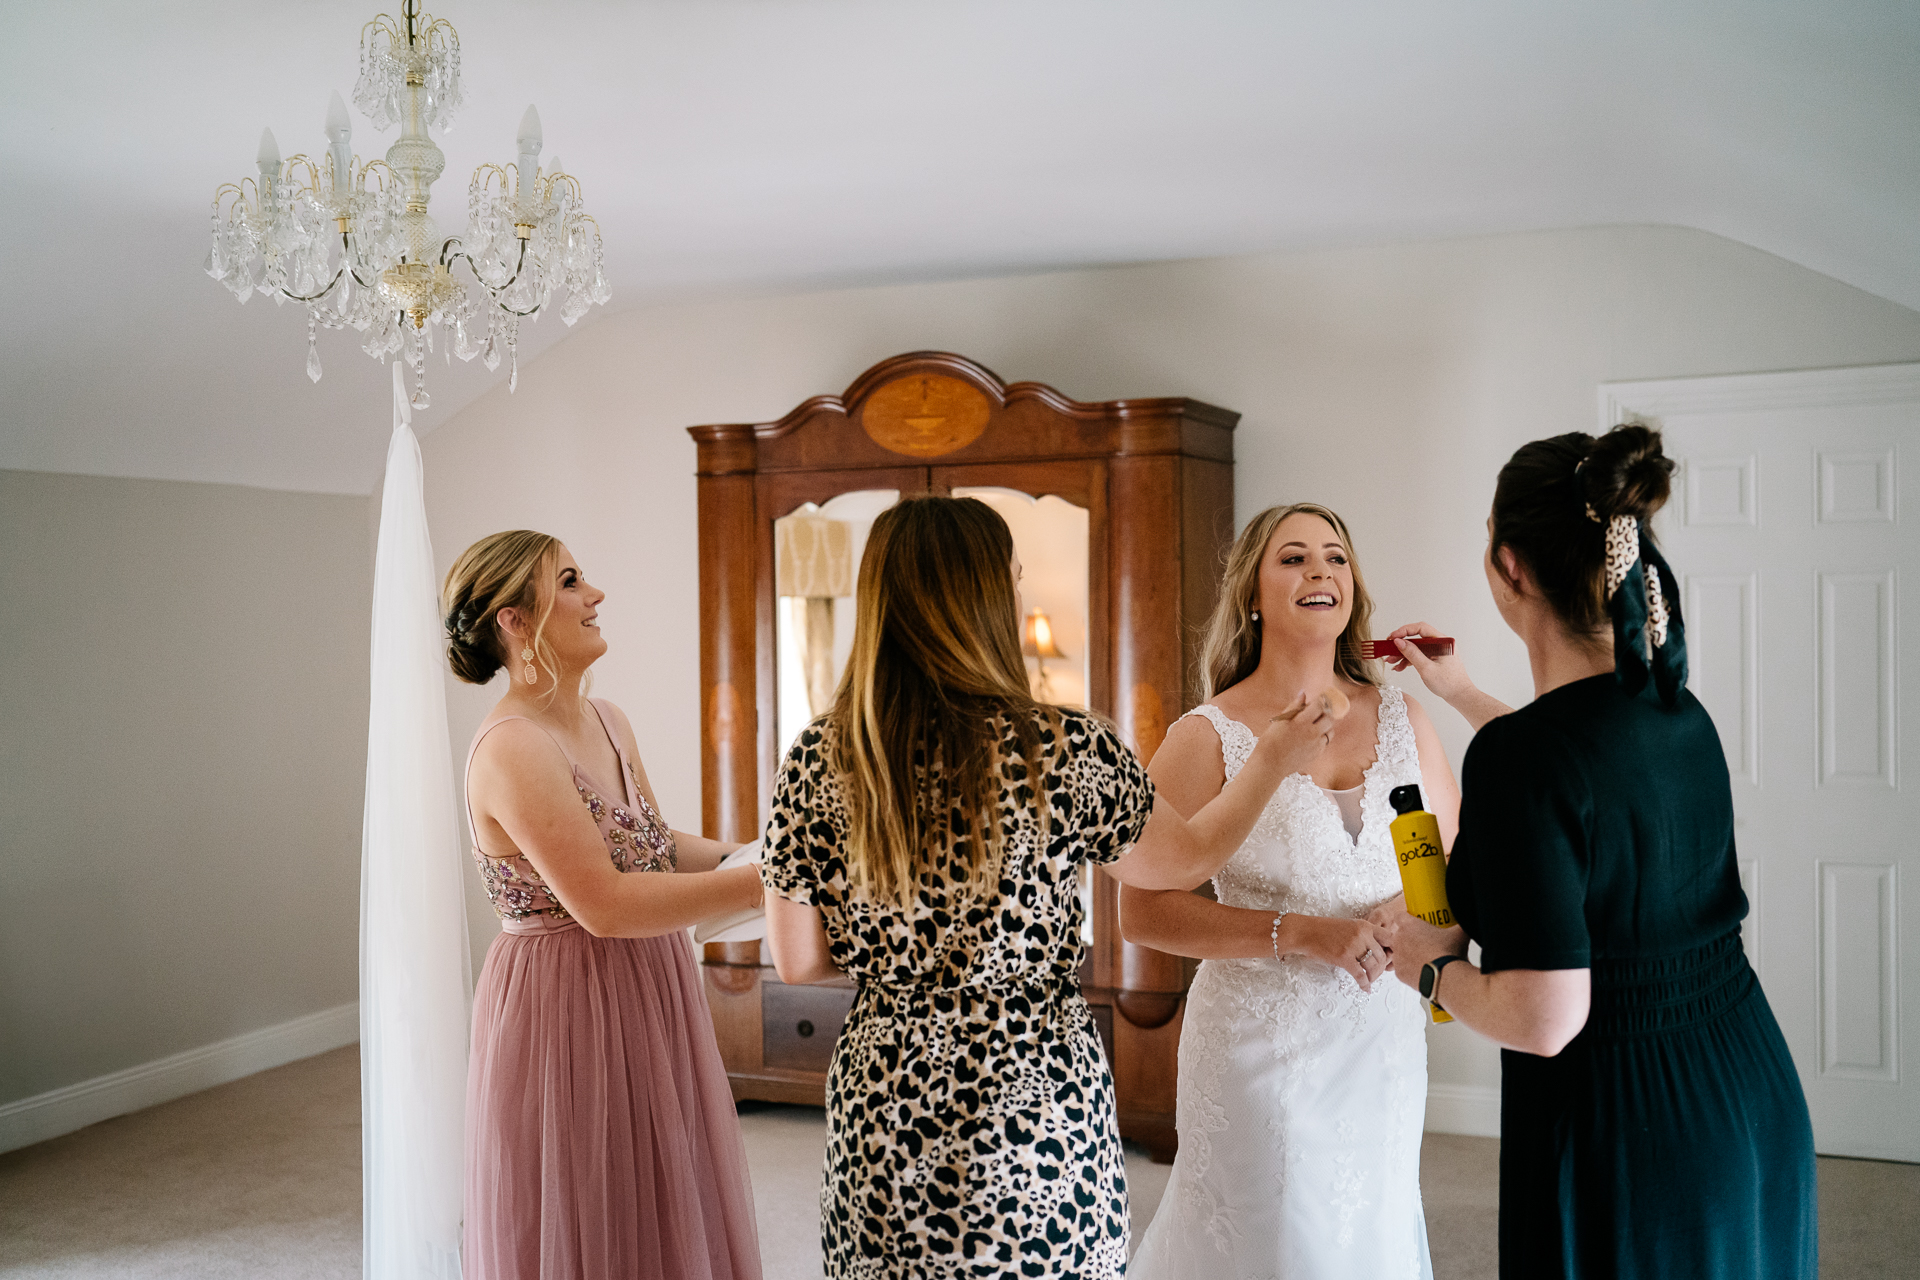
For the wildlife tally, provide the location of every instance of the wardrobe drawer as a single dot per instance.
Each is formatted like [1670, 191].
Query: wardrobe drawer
[800, 1024]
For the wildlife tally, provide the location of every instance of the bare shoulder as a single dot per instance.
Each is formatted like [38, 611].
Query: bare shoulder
[517, 746]
[1190, 735]
[516, 761]
[1190, 766]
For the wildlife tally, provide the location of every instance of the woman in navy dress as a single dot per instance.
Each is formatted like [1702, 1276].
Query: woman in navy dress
[1652, 1124]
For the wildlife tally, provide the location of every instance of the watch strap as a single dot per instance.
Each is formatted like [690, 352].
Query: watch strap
[1430, 975]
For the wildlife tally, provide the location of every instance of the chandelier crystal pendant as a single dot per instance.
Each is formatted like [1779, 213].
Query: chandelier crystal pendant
[354, 241]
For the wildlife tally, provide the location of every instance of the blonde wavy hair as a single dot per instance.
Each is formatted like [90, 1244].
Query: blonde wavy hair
[934, 679]
[1231, 649]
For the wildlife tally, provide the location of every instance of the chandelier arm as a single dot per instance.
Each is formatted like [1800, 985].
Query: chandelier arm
[299, 161]
[347, 262]
[447, 260]
[237, 190]
[315, 297]
[494, 294]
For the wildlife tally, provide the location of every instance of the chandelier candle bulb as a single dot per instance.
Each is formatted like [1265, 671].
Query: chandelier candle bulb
[528, 141]
[340, 144]
[1423, 863]
[267, 160]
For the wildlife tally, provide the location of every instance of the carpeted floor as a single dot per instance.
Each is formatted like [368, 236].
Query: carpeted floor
[261, 1178]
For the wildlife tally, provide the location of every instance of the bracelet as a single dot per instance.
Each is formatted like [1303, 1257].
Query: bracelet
[1274, 937]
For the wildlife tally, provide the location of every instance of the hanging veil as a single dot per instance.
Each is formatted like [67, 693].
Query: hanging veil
[416, 983]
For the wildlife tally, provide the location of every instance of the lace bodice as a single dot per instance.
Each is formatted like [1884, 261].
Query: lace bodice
[1300, 857]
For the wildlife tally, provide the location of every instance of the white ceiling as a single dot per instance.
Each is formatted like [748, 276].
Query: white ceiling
[776, 143]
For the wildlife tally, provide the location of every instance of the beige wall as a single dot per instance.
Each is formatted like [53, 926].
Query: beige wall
[1389, 383]
[183, 688]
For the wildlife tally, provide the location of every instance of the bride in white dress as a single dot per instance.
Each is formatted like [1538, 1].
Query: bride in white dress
[1303, 1075]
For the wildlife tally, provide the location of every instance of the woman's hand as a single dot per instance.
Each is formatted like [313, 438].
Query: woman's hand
[1446, 677]
[1385, 914]
[1415, 943]
[1296, 737]
[1355, 946]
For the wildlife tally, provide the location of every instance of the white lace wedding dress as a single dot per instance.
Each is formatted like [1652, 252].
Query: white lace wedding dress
[1301, 1098]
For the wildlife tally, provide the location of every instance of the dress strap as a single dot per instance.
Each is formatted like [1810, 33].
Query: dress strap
[1236, 740]
[628, 786]
[1395, 745]
[466, 776]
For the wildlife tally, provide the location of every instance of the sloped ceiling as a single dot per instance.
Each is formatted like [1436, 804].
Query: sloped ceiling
[731, 145]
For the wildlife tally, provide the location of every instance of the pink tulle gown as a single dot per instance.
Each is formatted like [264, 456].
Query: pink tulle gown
[601, 1135]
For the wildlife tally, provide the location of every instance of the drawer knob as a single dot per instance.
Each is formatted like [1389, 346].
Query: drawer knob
[805, 1028]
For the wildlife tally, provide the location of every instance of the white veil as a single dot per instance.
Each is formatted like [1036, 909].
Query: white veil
[416, 983]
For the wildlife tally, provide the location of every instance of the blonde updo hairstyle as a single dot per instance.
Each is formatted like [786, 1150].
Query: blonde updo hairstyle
[1231, 649]
[511, 570]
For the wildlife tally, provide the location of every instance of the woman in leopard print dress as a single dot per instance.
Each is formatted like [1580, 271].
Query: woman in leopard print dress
[926, 838]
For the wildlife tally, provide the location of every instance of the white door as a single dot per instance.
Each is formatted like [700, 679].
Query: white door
[1792, 533]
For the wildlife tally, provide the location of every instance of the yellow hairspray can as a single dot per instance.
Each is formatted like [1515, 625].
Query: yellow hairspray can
[1423, 864]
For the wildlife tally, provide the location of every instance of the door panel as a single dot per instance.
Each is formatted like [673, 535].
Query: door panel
[1788, 532]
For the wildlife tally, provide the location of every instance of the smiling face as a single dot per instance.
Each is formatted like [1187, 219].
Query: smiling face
[1306, 583]
[571, 636]
[573, 628]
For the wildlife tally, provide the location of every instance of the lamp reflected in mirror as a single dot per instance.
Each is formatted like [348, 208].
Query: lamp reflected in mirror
[1036, 642]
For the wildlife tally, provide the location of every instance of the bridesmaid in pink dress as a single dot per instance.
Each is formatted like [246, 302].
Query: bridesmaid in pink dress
[601, 1134]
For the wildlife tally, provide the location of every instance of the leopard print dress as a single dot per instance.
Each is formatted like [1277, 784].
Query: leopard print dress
[970, 1110]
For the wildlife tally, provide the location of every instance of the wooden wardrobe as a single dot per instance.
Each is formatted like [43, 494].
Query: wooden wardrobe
[1156, 480]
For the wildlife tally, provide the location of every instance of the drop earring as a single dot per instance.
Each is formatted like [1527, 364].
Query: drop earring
[526, 656]
[1256, 615]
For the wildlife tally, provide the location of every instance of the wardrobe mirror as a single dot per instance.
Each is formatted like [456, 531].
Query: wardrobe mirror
[817, 550]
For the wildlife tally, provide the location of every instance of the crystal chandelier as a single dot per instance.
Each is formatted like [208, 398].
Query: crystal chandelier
[354, 241]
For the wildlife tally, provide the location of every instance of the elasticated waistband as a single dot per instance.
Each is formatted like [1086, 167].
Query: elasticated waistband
[1654, 994]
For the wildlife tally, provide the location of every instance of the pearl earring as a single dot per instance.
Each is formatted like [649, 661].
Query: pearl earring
[526, 656]
[1256, 615]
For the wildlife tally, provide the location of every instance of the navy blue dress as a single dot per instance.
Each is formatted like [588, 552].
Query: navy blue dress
[1670, 1137]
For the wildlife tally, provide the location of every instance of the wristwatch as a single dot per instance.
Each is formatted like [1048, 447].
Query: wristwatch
[1430, 977]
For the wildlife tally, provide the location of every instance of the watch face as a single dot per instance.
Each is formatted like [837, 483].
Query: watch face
[1427, 974]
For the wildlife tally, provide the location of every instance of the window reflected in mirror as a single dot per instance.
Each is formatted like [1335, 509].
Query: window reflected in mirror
[816, 559]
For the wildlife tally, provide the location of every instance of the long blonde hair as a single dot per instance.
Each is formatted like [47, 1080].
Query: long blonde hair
[934, 679]
[511, 570]
[1231, 650]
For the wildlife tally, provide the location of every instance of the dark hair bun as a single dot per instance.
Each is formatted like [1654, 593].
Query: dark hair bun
[1627, 473]
[473, 657]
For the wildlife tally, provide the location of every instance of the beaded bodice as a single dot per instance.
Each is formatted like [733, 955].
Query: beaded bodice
[637, 838]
